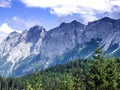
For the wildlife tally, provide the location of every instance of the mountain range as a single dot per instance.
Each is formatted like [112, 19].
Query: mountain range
[20, 53]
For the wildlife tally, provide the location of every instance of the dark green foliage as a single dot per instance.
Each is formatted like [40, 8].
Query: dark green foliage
[79, 80]
[98, 73]
[112, 74]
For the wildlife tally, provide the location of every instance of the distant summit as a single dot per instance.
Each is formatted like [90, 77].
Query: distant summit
[107, 19]
[74, 22]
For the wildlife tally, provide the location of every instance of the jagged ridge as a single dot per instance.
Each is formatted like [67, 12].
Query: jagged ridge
[20, 53]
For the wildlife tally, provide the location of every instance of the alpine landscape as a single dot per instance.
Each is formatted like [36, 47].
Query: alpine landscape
[59, 45]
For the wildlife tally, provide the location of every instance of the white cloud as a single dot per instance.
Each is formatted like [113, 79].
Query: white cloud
[2, 36]
[96, 4]
[4, 31]
[61, 7]
[5, 28]
[115, 2]
[87, 18]
[87, 9]
[5, 3]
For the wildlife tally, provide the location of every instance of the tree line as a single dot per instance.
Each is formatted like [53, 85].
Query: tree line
[97, 73]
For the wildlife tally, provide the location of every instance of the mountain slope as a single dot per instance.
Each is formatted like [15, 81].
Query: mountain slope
[17, 47]
[20, 53]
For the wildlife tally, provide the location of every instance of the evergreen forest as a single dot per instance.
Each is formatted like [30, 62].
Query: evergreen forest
[97, 73]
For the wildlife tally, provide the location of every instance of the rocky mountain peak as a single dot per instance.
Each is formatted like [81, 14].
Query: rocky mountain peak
[62, 24]
[12, 35]
[37, 27]
[71, 24]
[34, 33]
[75, 22]
[100, 28]
[107, 19]
[104, 20]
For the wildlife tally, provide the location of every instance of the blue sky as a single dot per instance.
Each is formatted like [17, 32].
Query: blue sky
[18, 15]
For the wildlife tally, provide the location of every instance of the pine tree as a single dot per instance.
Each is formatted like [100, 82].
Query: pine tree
[97, 71]
[117, 60]
[66, 82]
[98, 54]
[35, 82]
[112, 74]
[79, 80]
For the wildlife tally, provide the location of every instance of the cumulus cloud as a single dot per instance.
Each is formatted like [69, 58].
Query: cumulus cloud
[5, 28]
[5, 3]
[61, 7]
[88, 9]
[4, 31]
[115, 2]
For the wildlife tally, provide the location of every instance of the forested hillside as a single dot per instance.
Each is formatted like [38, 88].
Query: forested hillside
[98, 73]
